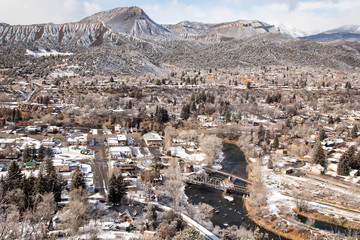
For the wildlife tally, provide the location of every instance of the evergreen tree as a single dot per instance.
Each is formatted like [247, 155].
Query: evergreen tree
[343, 168]
[322, 134]
[41, 153]
[354, 131]
[17, 116]
[13, 177]
[355, 162]
[185, 112]
[55, 185]
[345, 161]
[116, 189]
[27, 153]
[318, 154]
[49, 166]
[77, 179]
[41, 184]
[275, 143]
[28, 187]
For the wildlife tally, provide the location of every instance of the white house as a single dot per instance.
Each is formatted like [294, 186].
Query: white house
[120, 152]
[152, 139]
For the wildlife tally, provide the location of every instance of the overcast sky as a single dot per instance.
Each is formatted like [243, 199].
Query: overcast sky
[307, 15]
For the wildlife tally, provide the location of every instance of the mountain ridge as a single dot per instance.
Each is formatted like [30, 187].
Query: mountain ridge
[128, 40]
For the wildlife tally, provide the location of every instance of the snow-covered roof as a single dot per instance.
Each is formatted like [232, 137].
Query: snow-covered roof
[152, 137]
[121, 137]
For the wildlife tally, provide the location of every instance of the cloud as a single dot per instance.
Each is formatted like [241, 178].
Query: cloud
[44, 11]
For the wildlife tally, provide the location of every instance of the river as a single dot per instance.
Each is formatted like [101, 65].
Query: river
[230, 213]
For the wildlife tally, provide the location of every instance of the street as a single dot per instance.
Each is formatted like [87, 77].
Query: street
[100, 167]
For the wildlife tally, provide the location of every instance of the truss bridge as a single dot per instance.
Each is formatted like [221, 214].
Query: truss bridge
[216, 183]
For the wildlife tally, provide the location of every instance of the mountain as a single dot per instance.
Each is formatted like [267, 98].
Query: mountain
[347, 32]
[221, 31]
[132, 21]
[291, 31]
[128, 41]
[108, 26]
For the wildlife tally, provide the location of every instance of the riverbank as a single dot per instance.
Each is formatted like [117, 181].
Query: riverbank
[269, 226]
[344, 223]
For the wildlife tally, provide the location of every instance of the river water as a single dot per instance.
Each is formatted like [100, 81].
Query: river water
[229, 213]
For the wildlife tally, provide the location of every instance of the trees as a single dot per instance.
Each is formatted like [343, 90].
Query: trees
[188, 233]
[116, 189]
[41, 153]
[318, 156]
[185, 112]
[275, 143]
[210, 145]
[322, 135]
[345, 161]
[77, 179]
[354, 131]
[27, 152]
[13, 177]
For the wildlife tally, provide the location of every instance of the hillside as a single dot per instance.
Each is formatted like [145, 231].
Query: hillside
[128, 41]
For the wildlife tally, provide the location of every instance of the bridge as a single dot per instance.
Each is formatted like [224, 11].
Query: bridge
[217, 183]
[207, 169]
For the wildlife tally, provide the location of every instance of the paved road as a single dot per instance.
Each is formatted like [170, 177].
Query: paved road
[100, 170]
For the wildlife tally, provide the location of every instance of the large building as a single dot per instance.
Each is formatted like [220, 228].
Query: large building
[152, 139]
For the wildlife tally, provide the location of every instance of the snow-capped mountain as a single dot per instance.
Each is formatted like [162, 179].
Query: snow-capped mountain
[347, 32]
[230, 30]
[291, 31]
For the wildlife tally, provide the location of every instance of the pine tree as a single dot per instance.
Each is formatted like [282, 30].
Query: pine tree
[116, 189]
[322, 134]
[355, 162]
[13, 176]
[26, 154]
[318, 154]
[77, 179]
[185, 112]
[49, 166]
[354, 131]
[41, 153]
[345, 161]
[28, 187]
[41, 184]
[275, 143]
[343, 168]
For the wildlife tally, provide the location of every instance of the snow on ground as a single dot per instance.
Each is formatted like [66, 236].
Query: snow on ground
[180, 152]
[136, 152]
[44, 53]
[71, 153]
[217, 165]
[229, 198]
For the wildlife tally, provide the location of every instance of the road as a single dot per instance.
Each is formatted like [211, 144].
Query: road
[100, 169]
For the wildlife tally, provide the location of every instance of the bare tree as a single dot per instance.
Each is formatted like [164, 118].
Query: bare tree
[210, 145]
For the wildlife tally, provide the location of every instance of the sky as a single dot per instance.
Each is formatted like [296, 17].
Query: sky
[311, 16]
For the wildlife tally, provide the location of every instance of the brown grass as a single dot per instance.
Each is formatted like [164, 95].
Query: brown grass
[330, 219]
[268, 224]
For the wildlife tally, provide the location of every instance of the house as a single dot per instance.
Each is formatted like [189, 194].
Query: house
[7, 142]
[112, 142]
[120, 152]
[152, 139]
[30, 165]
[77, 140]
[122, 139]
